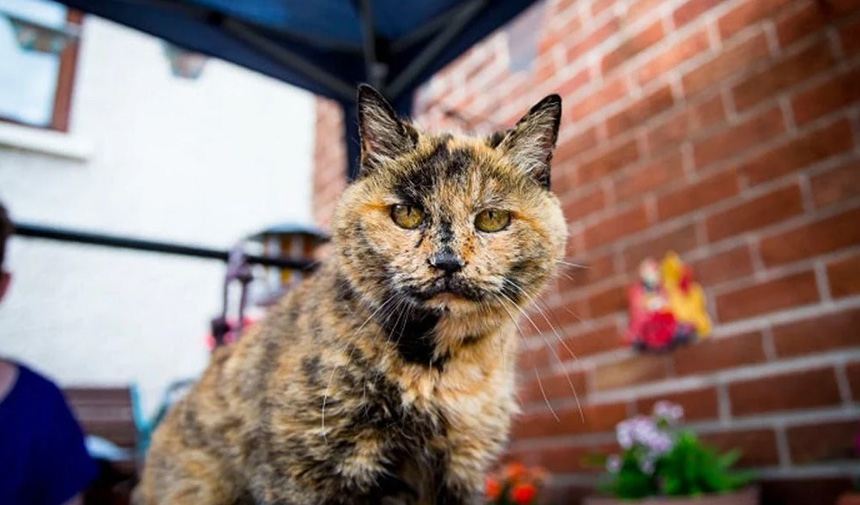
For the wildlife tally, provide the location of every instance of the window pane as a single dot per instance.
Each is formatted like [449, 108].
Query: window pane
[28, 79]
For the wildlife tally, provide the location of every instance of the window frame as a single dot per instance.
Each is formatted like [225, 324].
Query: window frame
[62, 108]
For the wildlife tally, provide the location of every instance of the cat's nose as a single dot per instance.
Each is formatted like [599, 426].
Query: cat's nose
[446, 261]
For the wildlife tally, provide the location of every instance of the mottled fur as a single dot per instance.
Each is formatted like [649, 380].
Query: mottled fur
[381, 379]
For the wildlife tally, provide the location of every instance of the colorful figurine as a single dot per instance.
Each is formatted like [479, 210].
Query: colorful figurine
[667, 307]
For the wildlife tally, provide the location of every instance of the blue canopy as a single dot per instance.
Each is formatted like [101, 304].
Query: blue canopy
[324, 46]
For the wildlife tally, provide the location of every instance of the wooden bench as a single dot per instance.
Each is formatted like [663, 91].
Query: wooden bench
[108, 413]
[105, 412]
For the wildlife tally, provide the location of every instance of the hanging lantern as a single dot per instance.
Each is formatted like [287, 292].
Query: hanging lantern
[184, 64]
[37, 37]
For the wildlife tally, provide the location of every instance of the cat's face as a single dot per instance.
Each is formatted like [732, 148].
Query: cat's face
[451, 223]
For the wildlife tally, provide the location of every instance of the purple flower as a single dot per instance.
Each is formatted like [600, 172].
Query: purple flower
[670, 412]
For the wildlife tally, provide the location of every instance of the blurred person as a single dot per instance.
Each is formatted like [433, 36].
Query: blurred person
[43, 459]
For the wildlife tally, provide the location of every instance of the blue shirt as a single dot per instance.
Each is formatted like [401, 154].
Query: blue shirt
[43, 459]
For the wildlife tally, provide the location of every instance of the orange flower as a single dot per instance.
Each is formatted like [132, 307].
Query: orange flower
[492, 489]
[524, 494]
[515, 471]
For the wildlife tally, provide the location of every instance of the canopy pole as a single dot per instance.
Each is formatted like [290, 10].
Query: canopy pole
[343, 89]
[427, 29]
[434, 48]
[376, 71]
[136, 244]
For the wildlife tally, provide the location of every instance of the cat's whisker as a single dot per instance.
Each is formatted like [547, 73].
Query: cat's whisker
[553, 353]
[561, 341]
[572, 265]
[534, 367]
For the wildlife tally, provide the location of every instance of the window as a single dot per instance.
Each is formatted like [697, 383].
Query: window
[36, 82]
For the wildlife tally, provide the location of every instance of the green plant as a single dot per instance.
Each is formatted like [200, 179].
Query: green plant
[660, 460]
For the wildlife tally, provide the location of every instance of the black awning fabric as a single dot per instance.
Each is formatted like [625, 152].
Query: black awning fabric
[324, 46]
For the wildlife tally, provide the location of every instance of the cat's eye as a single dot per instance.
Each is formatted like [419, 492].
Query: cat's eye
[492, 220]
[407, 216]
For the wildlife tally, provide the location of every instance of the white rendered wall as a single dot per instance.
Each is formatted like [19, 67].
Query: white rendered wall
[200, 162]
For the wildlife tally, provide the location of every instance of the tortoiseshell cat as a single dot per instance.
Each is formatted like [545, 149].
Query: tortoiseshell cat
[387, 377]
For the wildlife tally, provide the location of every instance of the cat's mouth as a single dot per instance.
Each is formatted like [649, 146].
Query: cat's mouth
[448, 288]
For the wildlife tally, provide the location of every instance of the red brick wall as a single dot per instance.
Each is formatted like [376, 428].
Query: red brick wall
[729, 132]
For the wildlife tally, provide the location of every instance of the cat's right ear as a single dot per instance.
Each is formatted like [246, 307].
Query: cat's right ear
[383, 135]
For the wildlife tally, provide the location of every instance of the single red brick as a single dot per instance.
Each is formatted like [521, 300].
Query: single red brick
[757, 447]
[634, 115]
[698, 404]
[687, 124]
[844, 277]
[631, 371]
[601, 339]
[579, 206]
[764, 85]
[715, 354]
[609, 161]
[544, 70]
[836, 185]
[852, 371]
[789, 391]
[834, 94]
[818, 334]
[728, 62]
[653, 175]
[817, 237]
[555, 386]
[758, 212]
[747, 14]
[608, 301]
[734, 140]
[692, 10]
[632, 46]
[798, 153]
[607, 94]
[822, 442]
[767, 296]
[680, 240]
[697, 195]
[725, 266]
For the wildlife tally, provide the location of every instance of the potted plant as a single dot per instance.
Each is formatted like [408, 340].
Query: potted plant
[514, 484]
[663, 464]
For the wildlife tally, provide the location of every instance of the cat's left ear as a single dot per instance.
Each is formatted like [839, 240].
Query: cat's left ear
[383, 135]
[530, 143]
